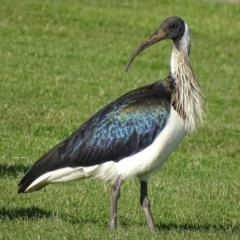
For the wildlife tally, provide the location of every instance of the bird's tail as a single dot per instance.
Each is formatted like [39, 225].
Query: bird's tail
[50, 168]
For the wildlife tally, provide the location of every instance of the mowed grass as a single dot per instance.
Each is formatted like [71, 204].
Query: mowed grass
[61, 61]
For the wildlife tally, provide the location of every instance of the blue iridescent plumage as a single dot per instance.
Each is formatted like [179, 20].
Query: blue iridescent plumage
[121, 129]
[132, 136]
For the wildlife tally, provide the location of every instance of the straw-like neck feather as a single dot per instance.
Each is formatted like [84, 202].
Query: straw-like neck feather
[186, 96]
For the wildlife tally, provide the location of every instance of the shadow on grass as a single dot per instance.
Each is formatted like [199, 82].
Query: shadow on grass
[187, 227]
[32, 213]
[35, 213]
[81, 220]
[12, 170]
[199, 227]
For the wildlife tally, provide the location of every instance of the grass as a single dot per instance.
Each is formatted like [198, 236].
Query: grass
[61, 61]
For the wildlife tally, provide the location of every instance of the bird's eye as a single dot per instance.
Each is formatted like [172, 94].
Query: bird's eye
[172, 25]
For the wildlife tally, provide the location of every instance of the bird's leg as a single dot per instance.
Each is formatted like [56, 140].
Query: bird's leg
[114, 198]
[145, 203]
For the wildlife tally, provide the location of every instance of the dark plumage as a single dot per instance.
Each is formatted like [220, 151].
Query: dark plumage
[121, 129]
[133, 135]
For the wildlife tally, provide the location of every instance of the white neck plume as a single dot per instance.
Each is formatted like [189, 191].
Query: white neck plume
[186, 97]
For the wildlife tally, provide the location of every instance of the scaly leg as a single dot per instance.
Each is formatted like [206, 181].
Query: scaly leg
[145, 203]
[114, 198]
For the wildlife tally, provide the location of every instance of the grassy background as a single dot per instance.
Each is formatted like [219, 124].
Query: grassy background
[61, 61]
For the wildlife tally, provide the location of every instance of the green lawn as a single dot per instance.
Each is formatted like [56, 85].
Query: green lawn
[61, 61]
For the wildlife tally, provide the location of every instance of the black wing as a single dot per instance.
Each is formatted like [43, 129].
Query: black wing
[121, 129]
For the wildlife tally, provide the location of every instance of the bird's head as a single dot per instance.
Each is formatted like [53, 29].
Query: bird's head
[171, 28]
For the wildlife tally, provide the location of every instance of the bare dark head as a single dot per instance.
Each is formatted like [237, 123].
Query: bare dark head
[171, 28]
[174, 28]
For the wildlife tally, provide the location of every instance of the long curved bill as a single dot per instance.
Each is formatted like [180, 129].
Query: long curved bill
[154, 38]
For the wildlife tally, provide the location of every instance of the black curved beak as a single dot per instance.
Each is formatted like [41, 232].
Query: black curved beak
[159, 35]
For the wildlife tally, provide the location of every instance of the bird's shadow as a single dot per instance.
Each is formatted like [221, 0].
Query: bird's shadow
[32, 213]
[35, 213]
[12, 170]
[185, 227]
[199, 227]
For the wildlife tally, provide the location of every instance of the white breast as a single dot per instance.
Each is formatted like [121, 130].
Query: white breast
[140, 165]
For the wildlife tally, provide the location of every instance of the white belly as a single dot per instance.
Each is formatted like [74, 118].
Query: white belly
[140, 165]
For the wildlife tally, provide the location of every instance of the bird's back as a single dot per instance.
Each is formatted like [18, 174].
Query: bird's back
[122, 128]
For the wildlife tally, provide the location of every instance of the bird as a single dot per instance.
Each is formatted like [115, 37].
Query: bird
[132, 136]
